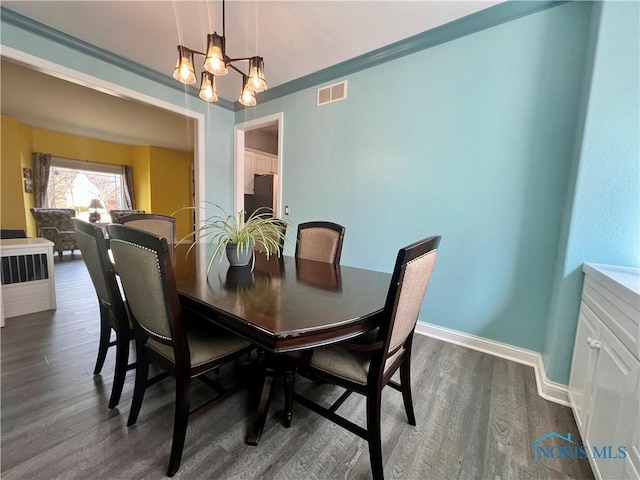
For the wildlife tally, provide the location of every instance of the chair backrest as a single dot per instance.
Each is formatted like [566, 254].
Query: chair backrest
[320, 241]
[282, 225]
[116, 214]
[93, 245]
[409, 282]
[60, 218]
[143, 263]
[160, 225]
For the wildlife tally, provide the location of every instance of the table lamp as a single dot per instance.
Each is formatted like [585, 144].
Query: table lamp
[95, 215]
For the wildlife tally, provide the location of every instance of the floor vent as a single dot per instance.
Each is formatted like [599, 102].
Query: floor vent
[332, 93]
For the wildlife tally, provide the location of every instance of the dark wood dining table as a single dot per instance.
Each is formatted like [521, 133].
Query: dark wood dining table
[283, 305]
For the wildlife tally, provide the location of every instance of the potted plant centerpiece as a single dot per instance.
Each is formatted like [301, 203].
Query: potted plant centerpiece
[237, 236]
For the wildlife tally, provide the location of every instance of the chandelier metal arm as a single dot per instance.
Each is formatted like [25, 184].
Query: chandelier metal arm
[235, 68]
[227, 59]
[194, 51]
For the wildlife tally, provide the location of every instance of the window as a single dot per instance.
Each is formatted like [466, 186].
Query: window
[74, 184]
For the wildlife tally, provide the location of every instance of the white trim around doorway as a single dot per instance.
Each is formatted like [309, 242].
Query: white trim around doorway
[95, 83]
[238, 163]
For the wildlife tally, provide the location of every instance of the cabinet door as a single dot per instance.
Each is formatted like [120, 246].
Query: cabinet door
[614, 416]
[262, 165]
[274, 165]
[248, 172]
[582, 366]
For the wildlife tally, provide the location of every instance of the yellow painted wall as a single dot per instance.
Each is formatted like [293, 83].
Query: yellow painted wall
[171, 186]
[142, 178]
[81, 148]
[26, 161]
[15, 151]
[161, 176]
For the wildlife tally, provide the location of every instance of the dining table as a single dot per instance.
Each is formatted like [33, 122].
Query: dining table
[281, 304]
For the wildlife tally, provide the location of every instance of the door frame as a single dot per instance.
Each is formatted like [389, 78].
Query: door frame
[238, 163]
[95, 83]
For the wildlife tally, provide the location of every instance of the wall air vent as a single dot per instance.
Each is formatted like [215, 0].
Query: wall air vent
[332, 93]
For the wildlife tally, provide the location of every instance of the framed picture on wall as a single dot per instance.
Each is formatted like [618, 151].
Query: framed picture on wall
[28, 186]
[27, 173]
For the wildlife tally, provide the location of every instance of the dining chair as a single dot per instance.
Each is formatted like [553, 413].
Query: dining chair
[365, 365]
[116, 214]
[320, 241]
[182, 344]
[113, 315]
[160, 225]
[260, 248]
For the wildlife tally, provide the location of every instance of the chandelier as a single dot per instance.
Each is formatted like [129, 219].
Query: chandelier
[217, 64]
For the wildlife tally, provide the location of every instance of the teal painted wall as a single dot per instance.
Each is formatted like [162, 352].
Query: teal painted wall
[502, 141]
[604, 221]
[218, 123]
[473, 140]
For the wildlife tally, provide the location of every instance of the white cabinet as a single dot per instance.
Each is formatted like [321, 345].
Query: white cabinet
[248, 172]
[263, 163]
[605, 372]
[258, 163]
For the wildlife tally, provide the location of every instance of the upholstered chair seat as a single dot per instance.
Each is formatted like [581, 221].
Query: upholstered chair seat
[344, 363]
[204, 347]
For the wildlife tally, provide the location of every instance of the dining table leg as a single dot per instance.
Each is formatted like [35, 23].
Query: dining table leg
[259, 421]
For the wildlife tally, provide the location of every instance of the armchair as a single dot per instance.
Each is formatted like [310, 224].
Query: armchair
[56, 224]
[117, 214]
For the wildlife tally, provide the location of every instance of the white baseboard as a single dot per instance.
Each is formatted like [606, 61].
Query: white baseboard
[554, 392]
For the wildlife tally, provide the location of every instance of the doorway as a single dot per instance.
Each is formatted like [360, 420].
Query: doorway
[120, 93]
[258, 164]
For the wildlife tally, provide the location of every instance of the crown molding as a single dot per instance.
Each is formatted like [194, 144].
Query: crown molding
[491, 17]
[485, 19]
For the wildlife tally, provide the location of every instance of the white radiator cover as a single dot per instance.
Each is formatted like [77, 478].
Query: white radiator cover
[28, 278]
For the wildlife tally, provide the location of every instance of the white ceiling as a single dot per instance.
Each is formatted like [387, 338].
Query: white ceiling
[296, 38]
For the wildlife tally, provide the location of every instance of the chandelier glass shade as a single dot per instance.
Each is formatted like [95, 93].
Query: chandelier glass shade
[208, 87]
[216, 64]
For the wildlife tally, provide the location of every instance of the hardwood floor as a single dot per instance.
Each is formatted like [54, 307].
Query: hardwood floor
[476, 414]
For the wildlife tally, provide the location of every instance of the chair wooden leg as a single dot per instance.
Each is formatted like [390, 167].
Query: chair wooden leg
[142, 372]
[405, 382]
[180, 421]
[103, 346]
[374, 400]
[289, 384]
[122, 360]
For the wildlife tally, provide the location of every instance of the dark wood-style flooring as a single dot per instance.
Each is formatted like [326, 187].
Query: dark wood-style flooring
[476, 415]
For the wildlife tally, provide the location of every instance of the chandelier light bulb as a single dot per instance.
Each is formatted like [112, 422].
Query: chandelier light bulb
[256, 75]
[184, 71]
[208, 88]
[214, 60]
[248, 96]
